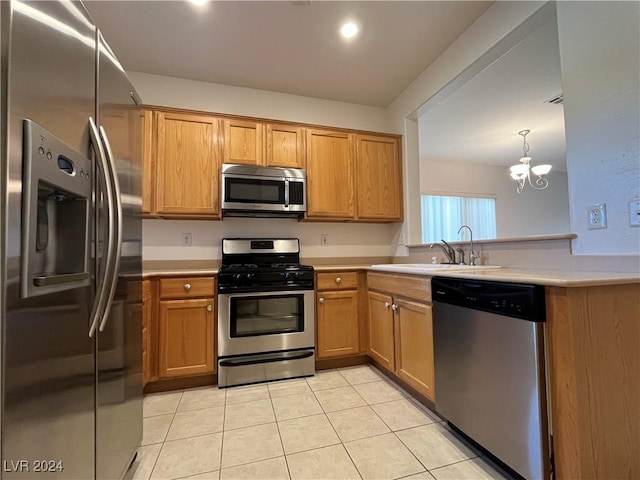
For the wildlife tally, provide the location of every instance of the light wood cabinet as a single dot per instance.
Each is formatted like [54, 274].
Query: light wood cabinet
[592, 335]
[378, 178]
[330, 175]
[186, 323]
[187, 165]
[401, 328]
[340, 327]
[285, 146]
[414, 345]
[263, 144]
[148, 162]
[381, 330]
[243, 142]
[146, 331]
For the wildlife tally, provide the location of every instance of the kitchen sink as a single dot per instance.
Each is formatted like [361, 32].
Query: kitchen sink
[432, 267]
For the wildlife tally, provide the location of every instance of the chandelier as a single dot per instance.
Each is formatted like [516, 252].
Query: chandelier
[522, 171]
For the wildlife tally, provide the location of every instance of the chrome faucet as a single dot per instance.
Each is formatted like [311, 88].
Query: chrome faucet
[448, 250]
[472, 255]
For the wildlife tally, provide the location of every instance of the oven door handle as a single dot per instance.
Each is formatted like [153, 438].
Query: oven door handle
[269, 358]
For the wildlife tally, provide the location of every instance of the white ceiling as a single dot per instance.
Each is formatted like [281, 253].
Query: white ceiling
[480, 121]
[287, 46]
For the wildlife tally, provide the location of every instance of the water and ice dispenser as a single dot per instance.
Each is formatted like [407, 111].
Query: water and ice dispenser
[56, 209]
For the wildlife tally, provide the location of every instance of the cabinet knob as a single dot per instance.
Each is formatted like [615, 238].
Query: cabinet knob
[394, 307]
[187, 286]
[209, 308]
[338, 280]
[386, 304]
[321, 300]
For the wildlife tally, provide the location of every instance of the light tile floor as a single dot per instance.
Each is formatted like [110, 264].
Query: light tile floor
[349, 423]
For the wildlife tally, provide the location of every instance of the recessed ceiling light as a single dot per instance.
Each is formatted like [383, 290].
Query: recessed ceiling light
[349, 29]
[199, 3]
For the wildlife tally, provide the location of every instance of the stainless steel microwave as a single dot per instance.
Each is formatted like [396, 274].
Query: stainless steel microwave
[263, 191]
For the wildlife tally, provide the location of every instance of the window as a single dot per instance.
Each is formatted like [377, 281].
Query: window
[442, 216]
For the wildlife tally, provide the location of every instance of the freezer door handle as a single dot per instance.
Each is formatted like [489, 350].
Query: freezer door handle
[107, 187]
[117, 204]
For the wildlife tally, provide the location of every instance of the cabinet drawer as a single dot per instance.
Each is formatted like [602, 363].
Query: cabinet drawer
[407, 286]
[337, 281]
[184, 287]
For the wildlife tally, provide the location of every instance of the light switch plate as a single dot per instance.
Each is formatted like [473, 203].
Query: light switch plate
[597, 216]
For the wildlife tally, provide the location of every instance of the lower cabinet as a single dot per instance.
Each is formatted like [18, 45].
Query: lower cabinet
[147, 313]
[339, 331]
[179, 319]
[401, 328]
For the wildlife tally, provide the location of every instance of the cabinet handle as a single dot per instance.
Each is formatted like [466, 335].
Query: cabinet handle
[394, 307]
[386, 304]
[321, 300]
[187, 286]
[209, 308]
[338, 280]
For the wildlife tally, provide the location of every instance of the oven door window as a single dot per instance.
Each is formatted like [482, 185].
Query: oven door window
[271, 315]
[251, 190]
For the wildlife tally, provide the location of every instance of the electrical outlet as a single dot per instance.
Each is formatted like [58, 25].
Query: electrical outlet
[324, 239]
[634, 213]
[597, 216]
[186, 239]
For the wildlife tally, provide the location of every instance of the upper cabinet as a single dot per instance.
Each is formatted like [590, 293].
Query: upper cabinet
[330, 175]
[243, 142]
[271, 144]
[187, 165]
[351, 176]
[285, 146]
[379, 178]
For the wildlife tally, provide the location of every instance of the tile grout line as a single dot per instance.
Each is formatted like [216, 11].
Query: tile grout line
[155, 463]
[224, 419]
[284, 453]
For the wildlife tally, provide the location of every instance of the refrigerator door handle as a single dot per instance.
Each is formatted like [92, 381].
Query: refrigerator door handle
[107, 186]
[117, 203]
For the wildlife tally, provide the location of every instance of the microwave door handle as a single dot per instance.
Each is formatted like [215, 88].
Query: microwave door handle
[286, 193]
[107, 189]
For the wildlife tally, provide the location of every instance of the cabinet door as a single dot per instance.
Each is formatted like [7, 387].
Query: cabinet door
[148, 163]
[330, 193]
[285, 146]
[414, 346]
[338, 328]
[243, 142]
[381, 345]
[187, 164]
[379, 178]
[186, 337]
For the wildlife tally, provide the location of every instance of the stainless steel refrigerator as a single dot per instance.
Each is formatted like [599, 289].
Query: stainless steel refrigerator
[71, 237]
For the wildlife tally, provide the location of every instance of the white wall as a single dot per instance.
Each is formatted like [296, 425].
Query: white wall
[533, 212]
[162, 238]
[600, 57]
[214, 97]
[495, 24]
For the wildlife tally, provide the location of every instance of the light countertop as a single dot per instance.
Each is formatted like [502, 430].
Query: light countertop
[555, 278]
[558, 278]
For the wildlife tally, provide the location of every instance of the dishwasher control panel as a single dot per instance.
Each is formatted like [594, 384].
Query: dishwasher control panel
[510, 299]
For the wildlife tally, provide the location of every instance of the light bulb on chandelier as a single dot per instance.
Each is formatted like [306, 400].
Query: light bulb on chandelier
[522, 171]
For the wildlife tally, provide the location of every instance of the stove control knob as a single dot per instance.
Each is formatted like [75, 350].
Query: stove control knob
[250, 276]
[237, 276]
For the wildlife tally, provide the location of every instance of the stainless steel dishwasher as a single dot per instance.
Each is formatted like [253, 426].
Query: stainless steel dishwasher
[490, 369]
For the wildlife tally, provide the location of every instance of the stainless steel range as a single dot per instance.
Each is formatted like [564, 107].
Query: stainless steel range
[266, 320]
